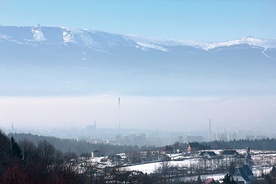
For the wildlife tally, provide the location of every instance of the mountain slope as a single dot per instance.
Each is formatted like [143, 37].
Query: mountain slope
[63, 61]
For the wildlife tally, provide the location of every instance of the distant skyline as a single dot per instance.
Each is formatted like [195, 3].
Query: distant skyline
[203, 20]
[252, 113]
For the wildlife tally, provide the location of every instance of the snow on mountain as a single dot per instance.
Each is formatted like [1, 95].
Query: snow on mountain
[67, 35]
[8, 38]
[91, 38]
[38, 60]
[251, 41]
[243, 41]
[144, 45]
[38, 34]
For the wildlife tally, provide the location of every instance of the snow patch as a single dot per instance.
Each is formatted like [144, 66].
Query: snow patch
[77, 36]
[151, 46]
[8, 38]
[37, 34]
[67, 36]
[5, 37]
[265, 53]
[87, 40]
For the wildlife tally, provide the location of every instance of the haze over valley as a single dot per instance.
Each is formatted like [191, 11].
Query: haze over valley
[55, 77]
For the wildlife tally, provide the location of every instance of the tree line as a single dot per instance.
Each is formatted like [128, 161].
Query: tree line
[80, 147]
[257, 144]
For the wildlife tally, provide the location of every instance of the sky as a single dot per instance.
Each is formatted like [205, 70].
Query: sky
[202, 20]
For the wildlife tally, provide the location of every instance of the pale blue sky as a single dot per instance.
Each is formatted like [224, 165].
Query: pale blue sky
[203, 20]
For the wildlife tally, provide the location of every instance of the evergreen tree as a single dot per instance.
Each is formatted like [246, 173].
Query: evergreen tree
[199, 180]
[5, 146]
[15, 149]
[232, 168]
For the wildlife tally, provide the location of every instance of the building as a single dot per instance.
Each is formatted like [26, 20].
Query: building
[167, 150]
[221, 137]
[96, 153]
[208, 154]
[229, 153]
[114, 159]
[195, 146]
[243, 175]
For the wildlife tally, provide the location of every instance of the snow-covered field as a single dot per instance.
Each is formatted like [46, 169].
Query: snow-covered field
[151, 167]
[263, 162]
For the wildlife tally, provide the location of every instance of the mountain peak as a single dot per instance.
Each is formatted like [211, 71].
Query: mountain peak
[256, 42]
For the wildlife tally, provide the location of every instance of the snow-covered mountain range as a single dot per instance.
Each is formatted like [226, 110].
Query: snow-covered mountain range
[95, 39]
[37, 60]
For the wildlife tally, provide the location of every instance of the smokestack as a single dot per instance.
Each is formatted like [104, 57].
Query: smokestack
[119, 115]
[210, 130]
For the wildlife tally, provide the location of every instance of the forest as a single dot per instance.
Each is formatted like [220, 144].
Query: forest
[26, 158]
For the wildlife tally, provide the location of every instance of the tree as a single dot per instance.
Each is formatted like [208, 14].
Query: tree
[228, 179]
[29, 151]
[4, 152]
[46, 152]
[268, 179]
[273, 174]
[5, 147]
[232, 168]
[199, 180]
[16, 175]
[15, 149]
[135, 157]
[164, 168]
[148, 156]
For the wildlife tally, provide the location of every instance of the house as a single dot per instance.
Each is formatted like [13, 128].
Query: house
[243, 175]
[195, 146]
[96, 153]
[167, 150]
[229, 153]
[114, 159]
[208, 154]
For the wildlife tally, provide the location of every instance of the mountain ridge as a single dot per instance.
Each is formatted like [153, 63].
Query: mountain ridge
[89, 37]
